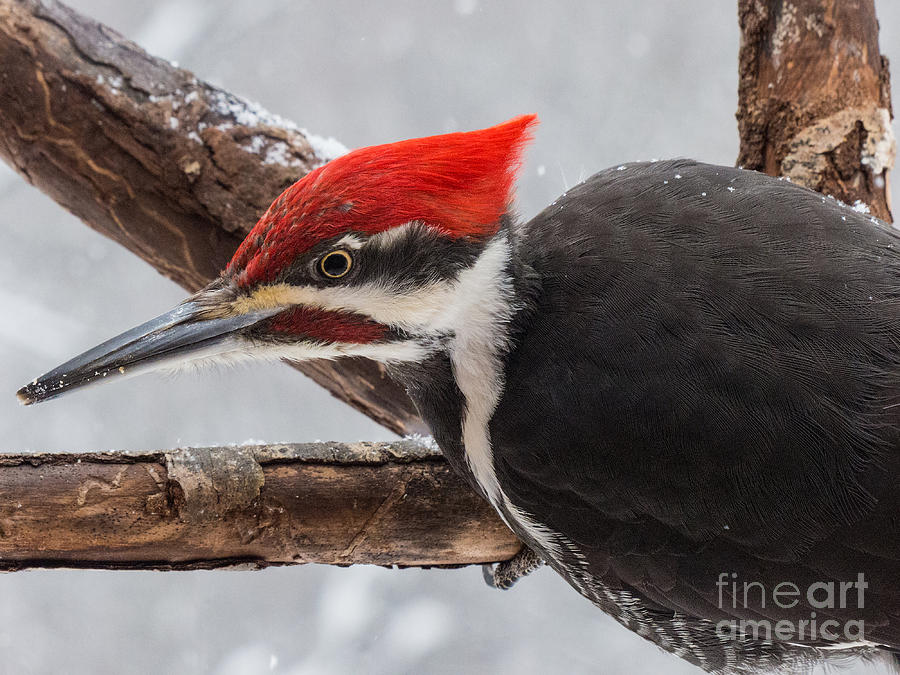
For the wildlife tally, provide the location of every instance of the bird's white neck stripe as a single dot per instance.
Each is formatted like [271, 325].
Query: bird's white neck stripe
[485, 304]
[479, 317]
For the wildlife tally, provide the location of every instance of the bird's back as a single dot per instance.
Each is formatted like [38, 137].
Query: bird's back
[708, 382]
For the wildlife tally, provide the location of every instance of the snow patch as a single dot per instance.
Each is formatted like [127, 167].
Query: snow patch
[276, 151]
[860, 206]
[280, 153]
[787, 30]
[247, 113]
[808, 150]
[255, 145]
[251, 114]
[326, 149]
[880, 146]
[427, 441]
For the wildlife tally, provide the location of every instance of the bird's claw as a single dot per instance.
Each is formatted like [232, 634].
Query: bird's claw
[505, 574]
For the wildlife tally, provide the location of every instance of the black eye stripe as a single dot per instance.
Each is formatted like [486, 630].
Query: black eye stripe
[335, 264]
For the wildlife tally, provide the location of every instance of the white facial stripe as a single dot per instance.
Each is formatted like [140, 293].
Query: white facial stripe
[414, 309]
[389, 237]
[391, 352]
[350, 241]
[236, 350]
[410, 308]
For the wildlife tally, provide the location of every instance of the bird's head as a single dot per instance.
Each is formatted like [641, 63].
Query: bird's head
[367, 255]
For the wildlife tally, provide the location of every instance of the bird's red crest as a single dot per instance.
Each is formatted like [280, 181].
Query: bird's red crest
[460, 184]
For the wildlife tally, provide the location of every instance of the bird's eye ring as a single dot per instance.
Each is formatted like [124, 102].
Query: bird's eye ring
[335, 264]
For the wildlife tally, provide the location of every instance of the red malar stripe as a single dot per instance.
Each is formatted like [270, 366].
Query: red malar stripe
[319, 324]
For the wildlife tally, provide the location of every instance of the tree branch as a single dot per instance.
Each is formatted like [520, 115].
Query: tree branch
[815, 102]
[172, 168]
[200, 508]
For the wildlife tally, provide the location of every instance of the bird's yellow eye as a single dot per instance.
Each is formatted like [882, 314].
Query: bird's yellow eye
[336, 264]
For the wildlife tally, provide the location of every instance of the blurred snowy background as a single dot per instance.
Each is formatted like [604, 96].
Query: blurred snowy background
[612, 81]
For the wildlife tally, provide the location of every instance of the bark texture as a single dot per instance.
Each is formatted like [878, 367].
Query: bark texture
[201, 508]
[814, 97]
[174, 169]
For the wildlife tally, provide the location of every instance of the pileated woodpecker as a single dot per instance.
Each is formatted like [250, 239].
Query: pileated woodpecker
[679, 384]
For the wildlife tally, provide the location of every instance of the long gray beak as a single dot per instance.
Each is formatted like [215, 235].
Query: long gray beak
[171, 338]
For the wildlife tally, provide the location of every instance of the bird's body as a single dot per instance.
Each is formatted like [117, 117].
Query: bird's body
[702, 377]
[679, 384]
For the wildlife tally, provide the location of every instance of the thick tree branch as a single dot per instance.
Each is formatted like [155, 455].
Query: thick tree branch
[379, 503]
[815, 102]
[175, 170]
